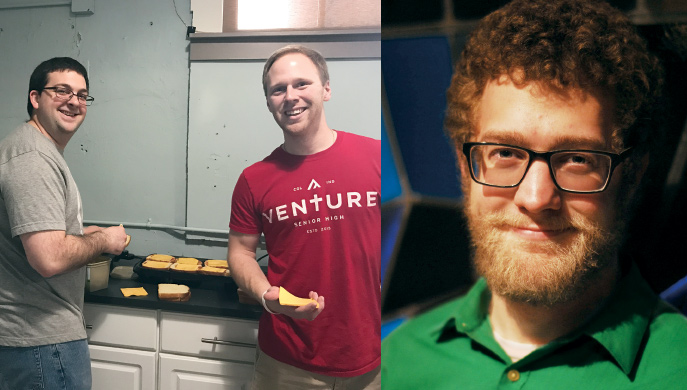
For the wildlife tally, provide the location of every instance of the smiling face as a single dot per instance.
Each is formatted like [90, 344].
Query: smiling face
[535, 243]
[59, 119]
[296, 96]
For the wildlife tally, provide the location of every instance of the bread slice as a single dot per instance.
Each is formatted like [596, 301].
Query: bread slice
[217, 264]
[162, 258]
[185, 267]
[173, 292]
[214, 271]
[155, 264]
[188, 260]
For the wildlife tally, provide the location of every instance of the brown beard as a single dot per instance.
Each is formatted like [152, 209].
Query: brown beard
[542, 273]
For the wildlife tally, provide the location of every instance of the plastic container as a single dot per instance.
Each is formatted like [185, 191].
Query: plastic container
[98, 274]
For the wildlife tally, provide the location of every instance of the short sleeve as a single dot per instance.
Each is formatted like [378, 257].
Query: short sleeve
[245, 216]
[34, 192]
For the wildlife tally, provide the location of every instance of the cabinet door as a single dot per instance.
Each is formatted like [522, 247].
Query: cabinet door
[122, 369]
[189, 373]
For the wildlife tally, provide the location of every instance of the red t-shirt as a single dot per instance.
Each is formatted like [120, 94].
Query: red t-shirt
[321, 218]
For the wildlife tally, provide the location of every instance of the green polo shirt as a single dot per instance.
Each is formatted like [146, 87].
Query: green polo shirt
[636, 342]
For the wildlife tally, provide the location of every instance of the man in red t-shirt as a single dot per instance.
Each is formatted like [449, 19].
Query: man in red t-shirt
[316, 200]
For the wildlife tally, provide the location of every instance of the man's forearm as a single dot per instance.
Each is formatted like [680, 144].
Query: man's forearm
[248, 275]
[79, 250]
[54, 252]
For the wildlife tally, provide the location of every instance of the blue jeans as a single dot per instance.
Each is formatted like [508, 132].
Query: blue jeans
[65, 366]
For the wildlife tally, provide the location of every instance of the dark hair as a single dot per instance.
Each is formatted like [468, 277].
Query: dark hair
[39, 77]
[560, 44]
[314, 56]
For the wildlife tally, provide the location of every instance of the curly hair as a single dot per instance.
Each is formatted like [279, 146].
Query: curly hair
[562, 45]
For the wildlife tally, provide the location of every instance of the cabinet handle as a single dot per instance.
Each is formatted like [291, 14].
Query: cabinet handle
[223, 342]
[89, 326]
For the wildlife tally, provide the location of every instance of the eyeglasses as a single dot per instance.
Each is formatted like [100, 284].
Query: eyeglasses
[66, 94]
[576, 171]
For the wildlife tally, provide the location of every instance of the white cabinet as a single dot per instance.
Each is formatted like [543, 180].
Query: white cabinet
[122, 369]
[123, 346]
[191, 373]
[145, 349]
[222, 352]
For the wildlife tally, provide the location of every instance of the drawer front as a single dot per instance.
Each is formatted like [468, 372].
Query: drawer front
[121, 326]
[210, 337]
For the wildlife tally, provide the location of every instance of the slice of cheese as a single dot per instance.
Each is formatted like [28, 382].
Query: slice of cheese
[214, 271]
[185, 267]
[217, 263]
[161, 257]
[155, 264]
[288, 299]
[188, 260]
[134, 291]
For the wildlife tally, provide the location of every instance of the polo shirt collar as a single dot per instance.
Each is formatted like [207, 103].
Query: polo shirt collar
[469, 312]
[619, 327]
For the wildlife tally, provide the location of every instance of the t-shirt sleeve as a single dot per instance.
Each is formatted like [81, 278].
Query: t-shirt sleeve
[245, 216]
[34, 192]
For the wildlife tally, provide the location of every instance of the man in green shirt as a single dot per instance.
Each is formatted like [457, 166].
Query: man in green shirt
[550, 110]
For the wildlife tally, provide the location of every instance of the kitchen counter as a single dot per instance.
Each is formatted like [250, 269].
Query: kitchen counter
[207, 298]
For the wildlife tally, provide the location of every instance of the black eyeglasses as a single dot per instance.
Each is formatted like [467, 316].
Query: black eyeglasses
[576, 171]
[66, 94]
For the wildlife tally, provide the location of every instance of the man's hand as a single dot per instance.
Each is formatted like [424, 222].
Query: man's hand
[112, 235]
[307, 312]
[116, 239]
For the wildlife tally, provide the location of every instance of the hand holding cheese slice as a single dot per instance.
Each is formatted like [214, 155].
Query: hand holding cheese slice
[288, 299]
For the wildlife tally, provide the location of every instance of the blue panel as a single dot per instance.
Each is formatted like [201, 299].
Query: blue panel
[392, 218]
[676, 295]
[416, 74]
[389, 326]
[391, 186]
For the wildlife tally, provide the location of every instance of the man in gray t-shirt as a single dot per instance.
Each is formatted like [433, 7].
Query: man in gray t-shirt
[43, 245]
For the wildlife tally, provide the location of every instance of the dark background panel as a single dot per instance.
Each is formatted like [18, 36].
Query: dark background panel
[416, 74]
[432, 261]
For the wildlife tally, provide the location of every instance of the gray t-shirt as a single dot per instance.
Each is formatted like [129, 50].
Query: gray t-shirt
[37, 193]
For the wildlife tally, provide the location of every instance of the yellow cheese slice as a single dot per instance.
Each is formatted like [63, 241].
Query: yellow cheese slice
[217, 263]
[188, 260]
[288, 299]
[162, 258]
[155, 264]
[134, 291]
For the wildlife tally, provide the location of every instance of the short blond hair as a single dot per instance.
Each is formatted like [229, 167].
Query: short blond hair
[312, 54]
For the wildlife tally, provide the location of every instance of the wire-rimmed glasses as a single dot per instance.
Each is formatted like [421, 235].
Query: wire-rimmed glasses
[65, 94]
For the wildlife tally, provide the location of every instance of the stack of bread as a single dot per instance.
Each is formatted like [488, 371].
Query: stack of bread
[215, 267]
[173, 292]
[158, 261]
